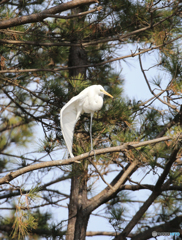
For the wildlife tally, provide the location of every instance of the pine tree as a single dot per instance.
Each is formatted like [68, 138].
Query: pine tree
[47, 57]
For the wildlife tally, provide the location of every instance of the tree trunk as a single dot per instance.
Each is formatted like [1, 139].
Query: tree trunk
[77, 218]
[77, 57]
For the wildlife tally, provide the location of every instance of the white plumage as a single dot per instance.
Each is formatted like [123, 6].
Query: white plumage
[88, 101]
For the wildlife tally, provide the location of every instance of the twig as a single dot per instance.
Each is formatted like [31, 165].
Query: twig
[157, 96]
[72, 16]
[100, 174]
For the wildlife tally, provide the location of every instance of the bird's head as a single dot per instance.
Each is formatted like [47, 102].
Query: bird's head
[101, 89]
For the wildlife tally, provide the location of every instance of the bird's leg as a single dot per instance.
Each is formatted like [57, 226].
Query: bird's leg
[91, 116]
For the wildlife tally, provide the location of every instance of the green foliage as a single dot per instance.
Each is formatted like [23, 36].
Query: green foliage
[172, 63]
[116, 218]
[22, 219]
[117, 210]
[16, 130]
[32, 97]
[42, 219]
[48, 144]
[169, 206]
[23, 222]
[3, 162]
[78, 84]
[150, 124]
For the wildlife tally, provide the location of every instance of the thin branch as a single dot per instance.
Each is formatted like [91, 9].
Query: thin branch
[24, 88]
[145, 75]
[157, 96]
[100, 233]
[39, 119]
[35, 43]
[152, 98]
[33, 70]
[72, 16]
[100, 174]
[13, 126]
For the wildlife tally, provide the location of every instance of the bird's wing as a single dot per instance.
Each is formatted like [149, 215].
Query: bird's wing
[69, 115]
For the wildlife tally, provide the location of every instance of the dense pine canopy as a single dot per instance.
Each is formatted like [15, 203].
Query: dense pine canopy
[49, 52]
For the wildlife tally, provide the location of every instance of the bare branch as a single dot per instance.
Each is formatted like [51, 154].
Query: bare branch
[100, 174]
[108, 193]
[4, 1]
[36, 17]
[73, 16]
[39, 119]
[35, 43]
[157, 96]
[26, 89]
[12, 175]
[100, 233]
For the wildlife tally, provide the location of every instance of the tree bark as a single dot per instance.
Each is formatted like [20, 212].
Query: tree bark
[77, 57]
[77, 54]
[78, 219]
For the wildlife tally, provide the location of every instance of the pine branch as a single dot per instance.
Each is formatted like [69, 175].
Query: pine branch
[37, 17]
[74, 15]
[40, 232]
[96, 64]
[14, 83]
[4, 1]
[176, 120]
[12, 175]
[39, 119]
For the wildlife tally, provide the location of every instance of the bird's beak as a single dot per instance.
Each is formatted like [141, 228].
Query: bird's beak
[106, 93]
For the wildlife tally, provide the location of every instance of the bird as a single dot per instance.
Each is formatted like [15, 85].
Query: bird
[89, 100]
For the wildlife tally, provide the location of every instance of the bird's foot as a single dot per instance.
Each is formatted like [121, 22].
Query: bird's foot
[77, 161]
[72, 156]
[92, 150]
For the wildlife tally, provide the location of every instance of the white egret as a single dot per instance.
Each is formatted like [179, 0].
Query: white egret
[88, 101]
